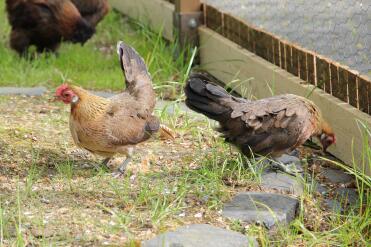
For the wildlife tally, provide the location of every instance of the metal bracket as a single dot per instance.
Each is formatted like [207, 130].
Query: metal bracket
[186, 25]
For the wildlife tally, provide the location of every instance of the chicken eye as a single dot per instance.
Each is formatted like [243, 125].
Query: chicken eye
[329, 140]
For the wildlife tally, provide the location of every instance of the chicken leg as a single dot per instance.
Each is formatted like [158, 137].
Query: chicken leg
[124, 164]
[105, 163]
[289, 167]
[274, 164]
[122, 168]
[128, 151]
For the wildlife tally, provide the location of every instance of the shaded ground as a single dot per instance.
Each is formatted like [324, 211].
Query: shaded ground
[339, 30]
[52, 194]
[64, 200]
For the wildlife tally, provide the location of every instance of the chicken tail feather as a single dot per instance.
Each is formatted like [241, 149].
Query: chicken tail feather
[207, 98]
[138, 79]
[131, 62]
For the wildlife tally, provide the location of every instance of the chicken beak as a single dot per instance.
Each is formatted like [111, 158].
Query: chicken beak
[325, 146]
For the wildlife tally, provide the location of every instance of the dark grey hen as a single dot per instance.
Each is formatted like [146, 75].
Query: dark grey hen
[270, 126]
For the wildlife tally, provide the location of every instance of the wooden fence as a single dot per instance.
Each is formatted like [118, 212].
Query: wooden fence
[231, 48]
[335, 79]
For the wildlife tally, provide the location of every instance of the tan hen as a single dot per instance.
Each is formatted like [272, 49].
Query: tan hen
[114, 125]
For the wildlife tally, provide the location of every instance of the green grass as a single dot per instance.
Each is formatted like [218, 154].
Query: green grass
[95, 65]
[49, 197]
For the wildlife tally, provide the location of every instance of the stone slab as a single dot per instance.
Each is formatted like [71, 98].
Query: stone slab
[348, 196]
[292, 164]
[320, 188]
[336, 175]
[268, 209]
[200, 235]
[287, 159]
[28, 91]
[282, 183]
[333, 205]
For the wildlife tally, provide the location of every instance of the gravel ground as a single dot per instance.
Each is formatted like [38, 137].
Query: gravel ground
[340, 30]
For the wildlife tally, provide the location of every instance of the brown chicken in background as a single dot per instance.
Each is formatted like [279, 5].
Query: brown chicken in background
[92, 11]
[45, 23]
[109, 126]
[271, 126]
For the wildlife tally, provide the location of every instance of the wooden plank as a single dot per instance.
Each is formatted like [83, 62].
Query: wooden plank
[214, 19]
[288, 59]
[352, 89]
[269, 45]
[242, 33]
[338, 91]
[245, 36]
[343, 82]
[283, 55]
[295, 60]
[187, 6]
[303, 72]
[265, 45]
[310, 65]
[253, 38]
[364, 94]
[158, 14]
[259, 44]
[232, 28]
[188, 16]
[262, 76]
[323, 74]
[276, 51]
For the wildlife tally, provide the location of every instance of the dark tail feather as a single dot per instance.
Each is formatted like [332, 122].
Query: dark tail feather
[207, 98]
[131, 62]
[138, 80]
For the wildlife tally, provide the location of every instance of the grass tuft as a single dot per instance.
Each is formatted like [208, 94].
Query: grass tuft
[95, 65]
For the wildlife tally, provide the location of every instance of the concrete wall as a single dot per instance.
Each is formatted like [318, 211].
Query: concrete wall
[158, 14]
[259, 78]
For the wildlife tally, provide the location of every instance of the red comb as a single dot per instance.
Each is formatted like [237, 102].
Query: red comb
[61, 88]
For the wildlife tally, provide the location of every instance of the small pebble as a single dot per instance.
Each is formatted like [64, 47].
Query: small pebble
[198, 215]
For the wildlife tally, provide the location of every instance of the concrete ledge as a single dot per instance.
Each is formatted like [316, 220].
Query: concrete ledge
[28, 91]
[259, 78]
[158, 14]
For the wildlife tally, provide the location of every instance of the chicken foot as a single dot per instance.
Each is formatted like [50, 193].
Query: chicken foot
[105, 163]
[124, 164]
[121, 169]
[289, 168]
